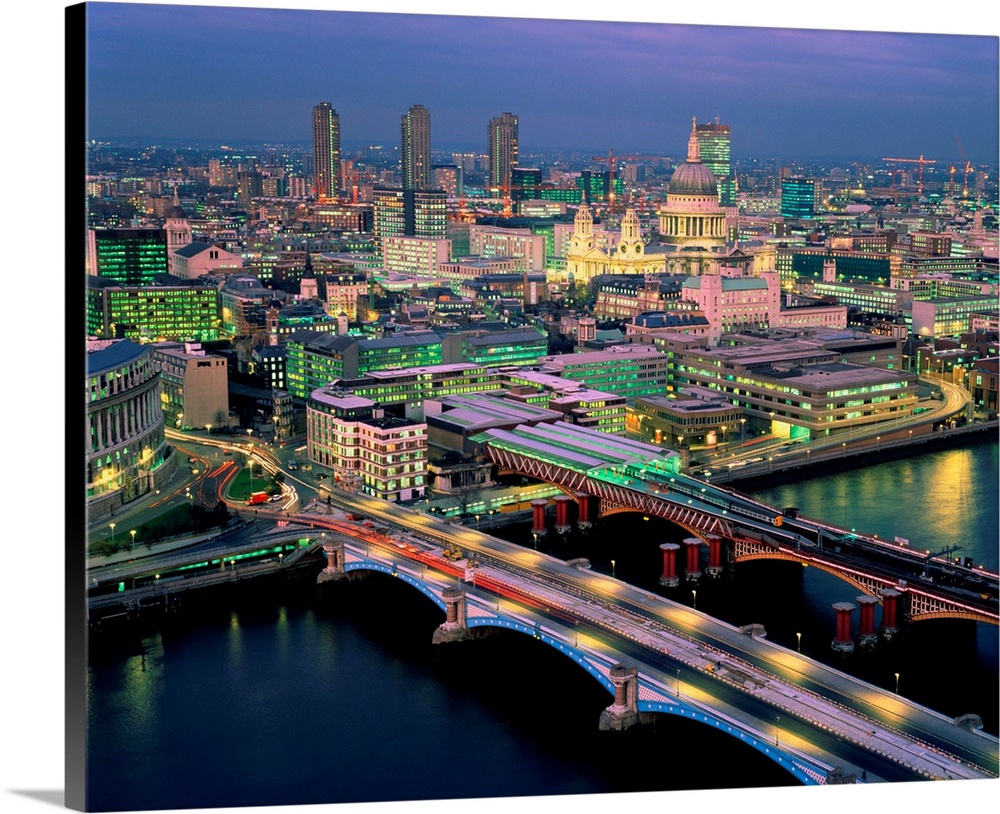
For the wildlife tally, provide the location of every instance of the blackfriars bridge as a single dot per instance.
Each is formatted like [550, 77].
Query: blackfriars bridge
[656, 657]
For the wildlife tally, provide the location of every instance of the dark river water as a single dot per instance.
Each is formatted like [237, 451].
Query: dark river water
[278, 696]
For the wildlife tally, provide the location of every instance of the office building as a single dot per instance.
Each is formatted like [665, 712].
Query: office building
[714, 147]
[525, 183]
[416, 213]
[503, 153]
[315, 359]
[326, 151]
[194, 386]
[385, 456]
[800, 198]
[167, 310]
[128, 256]
[625, 370]
[415, 148]
[797, 389]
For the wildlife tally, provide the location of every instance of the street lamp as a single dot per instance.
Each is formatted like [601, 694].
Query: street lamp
[112, 534]
[798, 642]
[897, 683]
[678, 683]
[777, 720]
[132, 532]
[612, 569]
[694, 599]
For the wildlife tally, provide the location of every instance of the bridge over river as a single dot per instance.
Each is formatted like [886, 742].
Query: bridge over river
[653, 656]
[602, 475]
[656, 657]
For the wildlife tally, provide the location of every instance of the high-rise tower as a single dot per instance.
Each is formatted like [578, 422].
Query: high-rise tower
[714, 145]
[415, 149]
[502, 140]
[326, 150]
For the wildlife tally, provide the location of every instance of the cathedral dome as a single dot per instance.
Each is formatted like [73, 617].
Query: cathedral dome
[176, 213]
[692, 177]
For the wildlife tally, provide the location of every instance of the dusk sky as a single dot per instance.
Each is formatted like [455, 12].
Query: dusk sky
[238, 74]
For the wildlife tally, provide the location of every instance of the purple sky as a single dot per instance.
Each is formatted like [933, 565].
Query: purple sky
[233, 74]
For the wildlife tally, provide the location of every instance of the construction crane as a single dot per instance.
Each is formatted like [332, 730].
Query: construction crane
[921, 161]
[611, 170]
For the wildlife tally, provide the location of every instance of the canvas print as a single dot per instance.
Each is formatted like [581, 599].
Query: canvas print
[488, 407]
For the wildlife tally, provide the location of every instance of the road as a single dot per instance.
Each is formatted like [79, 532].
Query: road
[781, 683]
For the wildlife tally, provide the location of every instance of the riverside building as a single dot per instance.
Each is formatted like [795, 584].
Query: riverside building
[127, 453]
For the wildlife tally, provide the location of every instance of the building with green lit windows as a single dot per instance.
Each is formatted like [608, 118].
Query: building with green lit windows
[631, 371]
[794, 263]
[497, 348]
[598, 186]
[561, 195]
[714, 148]
[169, 309]
[128, 256]
[316, 359]
[799, 198]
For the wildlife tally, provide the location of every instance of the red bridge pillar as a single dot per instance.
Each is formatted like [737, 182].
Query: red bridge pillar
[714, 556]
[583, 510]
[669, 577]
[843, 641]
[562, 513]
[890, 612]
[692, 571]
[866, 626]
[538, 507]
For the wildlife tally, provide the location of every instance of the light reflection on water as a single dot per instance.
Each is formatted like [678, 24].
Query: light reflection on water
[934, 501]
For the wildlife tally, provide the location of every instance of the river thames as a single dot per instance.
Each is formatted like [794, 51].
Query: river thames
[276, 698]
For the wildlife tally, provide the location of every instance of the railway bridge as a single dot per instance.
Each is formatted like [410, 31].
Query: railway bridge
[601, 475]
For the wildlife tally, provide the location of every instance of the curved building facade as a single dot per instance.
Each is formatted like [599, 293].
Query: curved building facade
[126, 449]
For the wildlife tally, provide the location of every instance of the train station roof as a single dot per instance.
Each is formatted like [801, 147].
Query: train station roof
[578, 448]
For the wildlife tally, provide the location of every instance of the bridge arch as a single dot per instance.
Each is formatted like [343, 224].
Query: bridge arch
[409, 579]
[654, 699]
[864, 587]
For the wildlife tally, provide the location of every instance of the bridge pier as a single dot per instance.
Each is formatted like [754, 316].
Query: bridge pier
[714, 556]
[669, 577]
[866, 625]
[334, 570]
[562, 513]
[842, 641]
[583, 510]
[625, 710]
[538, 507]
[692, 571]
[890, 612]
[454, 628]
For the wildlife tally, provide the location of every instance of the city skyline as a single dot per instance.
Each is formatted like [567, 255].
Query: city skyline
[573, 84]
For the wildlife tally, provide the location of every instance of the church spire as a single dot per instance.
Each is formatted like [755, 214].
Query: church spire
[694, 148]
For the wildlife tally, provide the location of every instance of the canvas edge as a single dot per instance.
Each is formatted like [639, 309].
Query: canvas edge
[75, 613]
